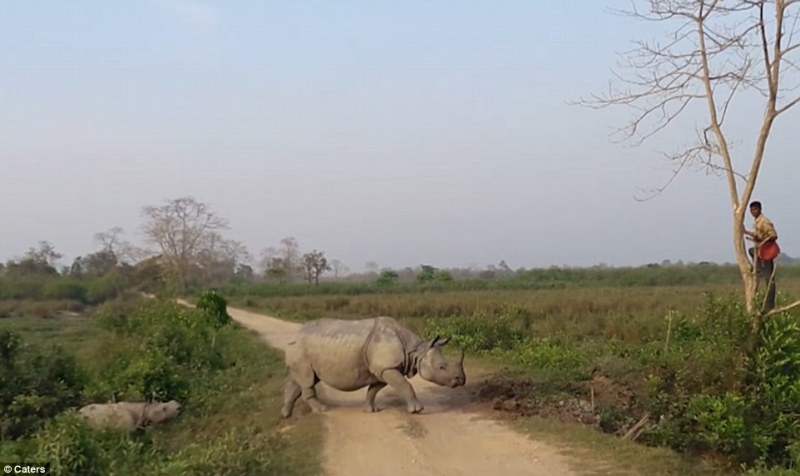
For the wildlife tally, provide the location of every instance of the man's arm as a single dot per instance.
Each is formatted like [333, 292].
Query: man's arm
[766, 231]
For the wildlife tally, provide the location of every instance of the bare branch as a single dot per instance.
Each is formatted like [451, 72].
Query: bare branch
[779, 310]
[788, 106]
[683, 160]
[765, 45]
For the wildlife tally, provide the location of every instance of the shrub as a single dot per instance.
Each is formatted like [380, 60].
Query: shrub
[35, 384]
[21, 288]
[157, 349]
[216, 306]
[773, 388]
[140, 373]
[550, 354]
[387, 278]
[64, 289]
[72, 447]
[101, 290]
[713, 396]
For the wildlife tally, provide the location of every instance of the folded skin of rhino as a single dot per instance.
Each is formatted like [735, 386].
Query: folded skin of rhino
[350, 355]
[129, 415]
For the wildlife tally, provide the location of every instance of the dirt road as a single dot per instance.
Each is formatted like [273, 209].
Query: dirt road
[443, 440]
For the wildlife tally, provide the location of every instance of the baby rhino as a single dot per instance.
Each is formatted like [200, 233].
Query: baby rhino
[373, 353]
[129, 415]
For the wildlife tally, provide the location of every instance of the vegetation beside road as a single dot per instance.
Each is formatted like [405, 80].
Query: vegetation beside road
[229, 383]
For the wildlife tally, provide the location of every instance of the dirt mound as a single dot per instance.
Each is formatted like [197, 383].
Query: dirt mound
[612, 394]
[600, 402]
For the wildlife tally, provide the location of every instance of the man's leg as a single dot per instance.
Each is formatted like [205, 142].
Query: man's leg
[756, 262]
[769, 270]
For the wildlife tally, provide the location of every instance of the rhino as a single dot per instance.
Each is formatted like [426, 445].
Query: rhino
[129, 416]
[352, 354]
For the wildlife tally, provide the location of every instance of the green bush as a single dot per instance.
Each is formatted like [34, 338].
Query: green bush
[712, 395]
[140, 373]
[158, 348]
[773, 387]
[64, 289]
[72, 447]
[35, 384]
[21, 288]
[216, 306]
[101, 290]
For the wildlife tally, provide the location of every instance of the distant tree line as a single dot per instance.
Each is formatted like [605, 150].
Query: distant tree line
[185, 250]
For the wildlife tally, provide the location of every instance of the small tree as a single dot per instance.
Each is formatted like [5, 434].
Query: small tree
[717, 50]
[339, 268]
[314, 264]
[283, 263]
[387, 277]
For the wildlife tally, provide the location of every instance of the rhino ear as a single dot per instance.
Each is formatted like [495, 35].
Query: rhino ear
[438, 341]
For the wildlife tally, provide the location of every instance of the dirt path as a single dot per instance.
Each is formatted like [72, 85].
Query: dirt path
[444, 439]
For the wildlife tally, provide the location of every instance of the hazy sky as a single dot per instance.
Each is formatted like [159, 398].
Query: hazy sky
[396, 132]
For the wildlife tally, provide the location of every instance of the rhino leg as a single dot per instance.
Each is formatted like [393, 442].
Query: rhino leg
[310, 396]
[304, 375]
[291, 392]
[372, 391]
[398, 381]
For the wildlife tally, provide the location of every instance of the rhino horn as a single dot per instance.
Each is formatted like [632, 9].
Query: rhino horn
[461, 356]
[434, 341]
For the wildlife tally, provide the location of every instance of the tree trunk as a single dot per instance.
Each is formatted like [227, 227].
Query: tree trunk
[746, 268]
[750, 289]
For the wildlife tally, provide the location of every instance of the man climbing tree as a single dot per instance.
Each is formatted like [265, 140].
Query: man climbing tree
[764, 252]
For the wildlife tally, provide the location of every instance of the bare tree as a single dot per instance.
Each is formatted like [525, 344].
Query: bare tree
[282, 263]
[372, 267]
[110, 240]
[181, 228]
[717, 50]
[338, 268]
[290, 257]
[46, 254]
[218, 259]
[314, 264]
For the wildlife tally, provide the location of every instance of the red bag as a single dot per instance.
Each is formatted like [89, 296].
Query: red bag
[769, 251]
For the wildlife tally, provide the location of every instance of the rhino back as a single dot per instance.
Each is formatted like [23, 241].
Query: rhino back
[335, 350]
